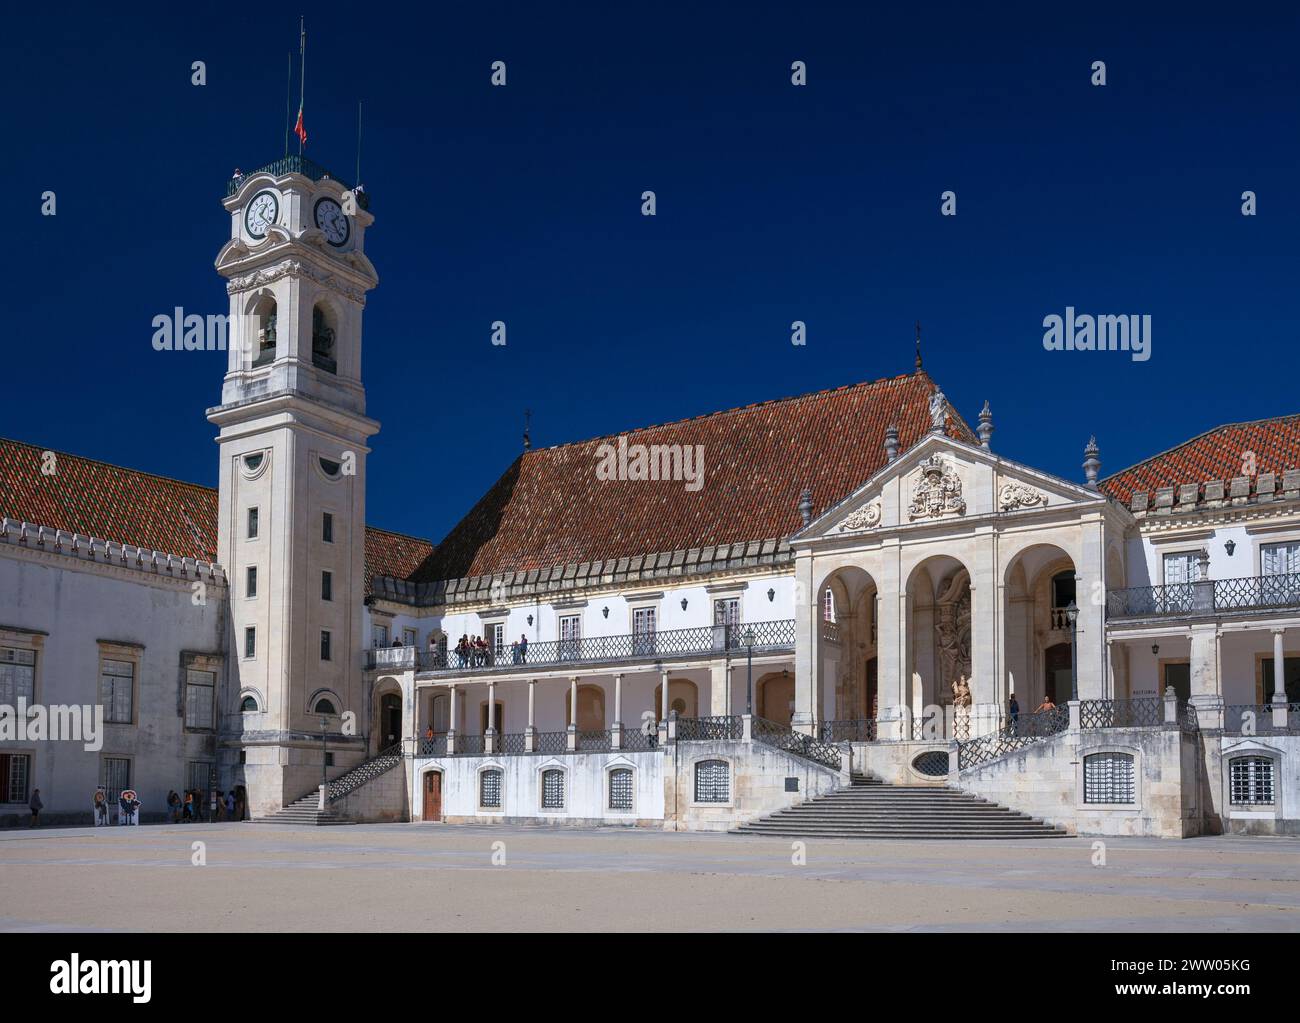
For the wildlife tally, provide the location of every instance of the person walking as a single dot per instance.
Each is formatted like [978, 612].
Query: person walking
[1013, 712]
[35, 805]
[188, 812]
[174, 806]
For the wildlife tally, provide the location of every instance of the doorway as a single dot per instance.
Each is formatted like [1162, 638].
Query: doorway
[432, 796]
[500, 718]
[390, 719]
[1056, 667]
[873, 689]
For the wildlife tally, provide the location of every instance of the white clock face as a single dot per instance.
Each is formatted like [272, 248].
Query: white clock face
[261, 213]
[332, 221]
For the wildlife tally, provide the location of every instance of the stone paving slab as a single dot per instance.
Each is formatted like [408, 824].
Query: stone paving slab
[417, 877]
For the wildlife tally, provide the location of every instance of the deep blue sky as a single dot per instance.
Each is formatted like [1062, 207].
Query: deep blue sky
[776, 203]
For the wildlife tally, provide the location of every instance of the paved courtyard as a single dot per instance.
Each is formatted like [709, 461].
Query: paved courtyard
[440, 878]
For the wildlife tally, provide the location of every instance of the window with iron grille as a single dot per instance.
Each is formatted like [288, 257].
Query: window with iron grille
[17, 675]
[117, 777]
[1108, 778]
[15, 769]
[620, 788]
[199, 689]
[1250, 780]
[489, 789]
[553, 789]
[116, 690]
[712, 781]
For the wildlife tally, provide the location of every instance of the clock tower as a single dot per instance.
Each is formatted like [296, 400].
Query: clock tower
[292, 433]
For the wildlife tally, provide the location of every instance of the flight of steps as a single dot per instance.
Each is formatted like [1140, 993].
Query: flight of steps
[868, 808]
[303, 811]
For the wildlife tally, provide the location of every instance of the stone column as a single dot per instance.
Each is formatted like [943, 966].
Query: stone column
[891, 649]
[616, 728]
[718, 672]
[1092, 612]
[1206, 694]
[1279, 668]
[530, 733]
[985, 636]
[490, 734]
[573, 713]
[807, 643]
[663, 696]
[451, 722]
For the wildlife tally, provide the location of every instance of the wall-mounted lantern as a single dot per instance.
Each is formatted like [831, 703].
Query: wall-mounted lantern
[605, 611]
[683, 603]
[1230, 546]
[771, 594]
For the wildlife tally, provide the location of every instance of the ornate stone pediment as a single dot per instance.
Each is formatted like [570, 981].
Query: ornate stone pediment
[866, 517]
[1014, 494]
[937, 491]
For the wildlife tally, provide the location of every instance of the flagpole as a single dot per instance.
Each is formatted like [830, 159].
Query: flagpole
[302, 53]
[288, 90]
[357, 179]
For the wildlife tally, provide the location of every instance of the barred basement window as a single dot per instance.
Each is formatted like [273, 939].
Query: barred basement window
[15, 769]
[489, 789]
[1108, 778]
[620, 788]
[712, 781]
[553, 789]
[117, 777]
[1250, 780]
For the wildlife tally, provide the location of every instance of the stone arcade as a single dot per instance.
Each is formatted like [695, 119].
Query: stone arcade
[861, 598]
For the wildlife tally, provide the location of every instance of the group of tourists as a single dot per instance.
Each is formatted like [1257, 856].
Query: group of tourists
[187, 808]
[476, 652]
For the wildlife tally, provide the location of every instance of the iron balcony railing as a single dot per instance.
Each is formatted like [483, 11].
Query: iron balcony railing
[1205, 597]
[1257, 719]
[595, 742]
[809, 747]
[1144, 712]
[1025, 730]
[727, 727]
[764, 637]
[848, 730]
[295, 164]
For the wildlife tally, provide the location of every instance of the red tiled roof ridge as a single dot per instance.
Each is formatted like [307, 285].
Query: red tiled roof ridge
[1201, 436]
[719, 413]
[108, 465]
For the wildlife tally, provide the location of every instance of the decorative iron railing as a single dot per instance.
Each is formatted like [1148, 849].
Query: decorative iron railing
[638, 740]
[809, 747]
[469, 745]
[764, 637]
[383, 761]
[594, 742]
[512, 742]
[1209, 596]
[1188, 719]
[295, 164]
[1143, 712]
[434, 746]
[848, 730]
[711, 729]
[1256, 719]
[1025, 730]
[943, 722]
[551, 742]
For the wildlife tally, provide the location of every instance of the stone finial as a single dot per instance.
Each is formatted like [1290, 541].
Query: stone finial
[806, 506]
[1203, 563]
[985, 429]
[891, 442]
[1091, 463]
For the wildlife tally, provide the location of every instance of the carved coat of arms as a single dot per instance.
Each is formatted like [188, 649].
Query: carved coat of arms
[937, 491]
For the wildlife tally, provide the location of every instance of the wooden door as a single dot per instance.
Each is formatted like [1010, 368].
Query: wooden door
[433, 796]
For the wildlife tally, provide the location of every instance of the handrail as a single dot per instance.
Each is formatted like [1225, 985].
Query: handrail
[800, 744]
[383, 761]
[1023, 731]
[294, 163]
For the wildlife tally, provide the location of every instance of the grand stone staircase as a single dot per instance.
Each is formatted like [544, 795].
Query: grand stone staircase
[307, 809]
[868, 808]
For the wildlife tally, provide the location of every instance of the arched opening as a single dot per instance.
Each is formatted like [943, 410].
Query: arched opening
[591, 708]
[1040, 586]
[248, 705]
[939, 654]
[775, 697]
[390, 719]
[264, 327]
[324, 330]
[846, 642]
[683, 697]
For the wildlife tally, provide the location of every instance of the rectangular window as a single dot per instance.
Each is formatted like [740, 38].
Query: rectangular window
[327, 527]
[17, 675]
[1180, 568]
[250, 581]
[324, 645]
[712, 781]
[620, 789]
[1251, 780]
[553, 790]
[117, 690]
[1280, 559]
[490, 789]
[200, 688]
[250, 642]
[381, 635]
[410, 637]
[644, 620]
[496, 637]
[116, 777]
[252, 523]
[15, 769]
[570, 637]
[326, 586]
[1108, 778]
[726, 611]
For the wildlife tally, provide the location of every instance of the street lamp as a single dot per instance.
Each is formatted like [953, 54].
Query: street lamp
[749, 670]
[1072, 613]
[324, 723]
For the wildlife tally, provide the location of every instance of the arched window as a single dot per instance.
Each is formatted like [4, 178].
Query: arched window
[322, 340]
[248, 705]
[553, 789]
[1108, 778]
[828, 605]
[489, 788]
[712, 781]
[325, 706]
[264, 327]
[620, 789]
[1250, 780]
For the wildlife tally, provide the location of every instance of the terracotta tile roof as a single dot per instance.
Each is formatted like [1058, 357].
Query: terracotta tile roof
[550, 509]
[138, 508]
[1218, 454]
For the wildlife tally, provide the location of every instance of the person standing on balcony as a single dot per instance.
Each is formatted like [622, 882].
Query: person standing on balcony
[523, 649]
[1047, 704]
